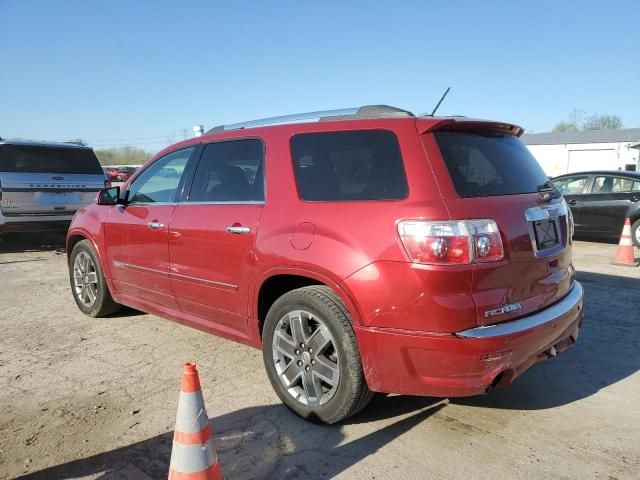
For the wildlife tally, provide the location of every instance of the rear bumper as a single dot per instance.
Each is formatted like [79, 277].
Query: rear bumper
[34, 223]
[471, 361]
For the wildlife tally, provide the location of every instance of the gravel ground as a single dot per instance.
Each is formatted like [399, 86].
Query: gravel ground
[84, 398]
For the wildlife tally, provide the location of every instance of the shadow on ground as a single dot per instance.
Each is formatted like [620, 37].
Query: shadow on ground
[606, 351]
[270, 442]
[32, 242]
[260, 442]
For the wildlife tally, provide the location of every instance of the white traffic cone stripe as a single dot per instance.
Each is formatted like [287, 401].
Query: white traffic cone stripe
[192, 458]
[626, 230]
[192, 415]
[626, 242]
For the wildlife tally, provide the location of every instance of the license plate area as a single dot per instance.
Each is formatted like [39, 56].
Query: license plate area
[547, 229]
[545, 233]
[56, 198]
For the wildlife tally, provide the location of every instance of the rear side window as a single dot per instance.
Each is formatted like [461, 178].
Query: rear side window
[230, 171]
[350, 165]
[35, 159]
[486, 164]
[612, 185]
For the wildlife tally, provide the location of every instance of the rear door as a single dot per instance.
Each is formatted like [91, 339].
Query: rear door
[47, 180]
[136, 234]
[213, 232]
[489, 174]
[606, 204]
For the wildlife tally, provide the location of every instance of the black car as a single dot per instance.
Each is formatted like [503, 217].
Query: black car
[601, 200]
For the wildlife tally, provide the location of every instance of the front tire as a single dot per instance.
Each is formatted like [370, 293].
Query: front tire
[311, 355]
[635, 233]
[88, 284]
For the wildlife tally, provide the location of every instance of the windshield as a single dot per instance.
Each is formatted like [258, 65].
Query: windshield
[37, 159]
[488, 164]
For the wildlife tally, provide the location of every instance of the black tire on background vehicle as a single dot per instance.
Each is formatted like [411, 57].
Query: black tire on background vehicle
[635, 233]
[311, 355]
[88, 285]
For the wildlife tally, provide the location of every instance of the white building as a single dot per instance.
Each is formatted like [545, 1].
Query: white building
[567, 152]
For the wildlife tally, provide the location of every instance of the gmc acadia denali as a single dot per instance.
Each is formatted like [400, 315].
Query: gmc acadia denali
[363, 250]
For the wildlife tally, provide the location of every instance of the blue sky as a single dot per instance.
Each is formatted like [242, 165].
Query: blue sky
[118, 72]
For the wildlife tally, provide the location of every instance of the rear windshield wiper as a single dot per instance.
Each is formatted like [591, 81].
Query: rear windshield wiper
[549, 187]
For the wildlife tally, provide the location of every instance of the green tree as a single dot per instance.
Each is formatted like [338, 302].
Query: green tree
[580, 122]
[565, 127]
[126, 155]
[605, 121]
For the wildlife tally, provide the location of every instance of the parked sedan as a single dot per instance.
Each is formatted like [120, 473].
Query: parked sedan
[601, 200]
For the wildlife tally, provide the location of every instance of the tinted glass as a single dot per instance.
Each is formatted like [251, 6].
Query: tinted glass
[33, 159]
[350, 165]
[230, 172]
[606, 184]
[482, 165]
[159, 182]
[570, 185]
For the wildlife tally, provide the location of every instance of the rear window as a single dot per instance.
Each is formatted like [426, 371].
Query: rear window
[33, 159]
[349, 166]
[483, 165]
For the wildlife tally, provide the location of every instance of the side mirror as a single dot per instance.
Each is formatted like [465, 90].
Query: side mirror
[108, 196]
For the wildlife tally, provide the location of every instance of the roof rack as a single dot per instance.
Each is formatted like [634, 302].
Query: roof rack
[366, 111]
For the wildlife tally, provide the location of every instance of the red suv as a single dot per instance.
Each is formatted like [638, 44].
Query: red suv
[364, 250]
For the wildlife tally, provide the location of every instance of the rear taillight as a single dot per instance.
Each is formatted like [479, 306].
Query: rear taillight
[451, 242]
[486, 240]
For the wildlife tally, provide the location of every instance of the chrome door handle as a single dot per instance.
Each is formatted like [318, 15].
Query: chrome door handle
[237, 229]
[572, 202]
[155, 225]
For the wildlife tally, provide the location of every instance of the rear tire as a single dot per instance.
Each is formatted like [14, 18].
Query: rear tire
[88, 285]
[311, 355]
[635, 233]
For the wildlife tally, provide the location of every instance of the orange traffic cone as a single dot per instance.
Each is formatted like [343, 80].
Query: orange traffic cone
[624, 254]
[193, 456]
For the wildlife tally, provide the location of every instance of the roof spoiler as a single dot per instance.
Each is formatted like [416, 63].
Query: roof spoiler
[454, 124]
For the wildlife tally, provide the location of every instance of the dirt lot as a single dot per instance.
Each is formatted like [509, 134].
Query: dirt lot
[83, 398]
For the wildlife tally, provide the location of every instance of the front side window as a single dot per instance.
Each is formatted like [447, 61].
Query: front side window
[606, 184]
[350, 165]
[159, 182]
[230, 171]
[571, 185]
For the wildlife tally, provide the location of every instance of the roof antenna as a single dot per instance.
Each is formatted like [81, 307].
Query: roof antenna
[440, 101]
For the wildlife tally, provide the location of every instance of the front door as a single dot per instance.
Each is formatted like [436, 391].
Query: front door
[606, 205]
[572, 189]
[136, 233]
[213, 230]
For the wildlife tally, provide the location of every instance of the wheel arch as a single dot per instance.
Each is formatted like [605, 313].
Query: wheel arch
[278, 281]
[634, 212]
[72, 241]
[75, 236]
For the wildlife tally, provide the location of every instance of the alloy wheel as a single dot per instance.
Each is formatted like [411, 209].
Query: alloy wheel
[305, 358]
[85, 279]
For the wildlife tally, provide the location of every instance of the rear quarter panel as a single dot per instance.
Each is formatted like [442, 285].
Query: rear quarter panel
[335, 239]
